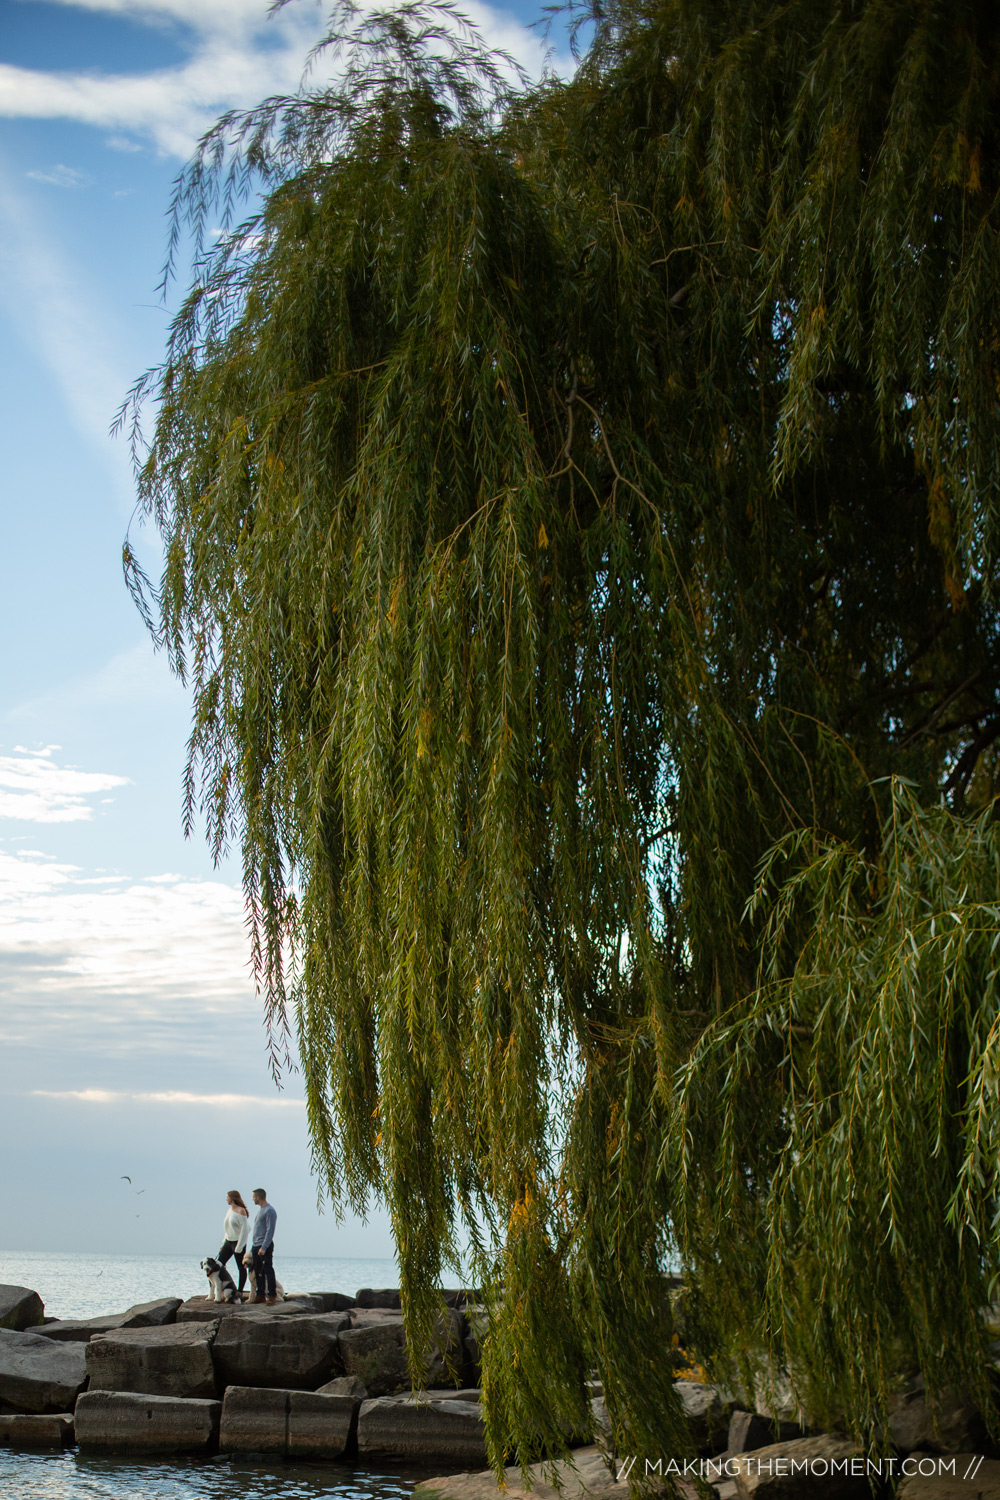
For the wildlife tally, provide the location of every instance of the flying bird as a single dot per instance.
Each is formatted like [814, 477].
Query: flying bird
[125, 1178]
[140, 1192]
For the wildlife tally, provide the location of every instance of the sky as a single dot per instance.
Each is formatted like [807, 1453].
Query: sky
[132, 1040]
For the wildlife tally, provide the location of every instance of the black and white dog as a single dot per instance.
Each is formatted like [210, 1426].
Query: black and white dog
[223, 1285]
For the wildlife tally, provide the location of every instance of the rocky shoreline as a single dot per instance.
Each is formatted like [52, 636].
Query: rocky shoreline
[325, 1376]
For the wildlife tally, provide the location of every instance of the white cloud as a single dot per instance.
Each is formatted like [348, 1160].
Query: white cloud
[239, 56]
[172, 1096]
[34, 789]
[62, 176]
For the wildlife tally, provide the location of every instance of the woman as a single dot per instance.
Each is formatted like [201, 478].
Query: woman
[236, 1227]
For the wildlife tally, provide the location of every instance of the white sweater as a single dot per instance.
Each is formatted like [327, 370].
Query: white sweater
[237, 1227]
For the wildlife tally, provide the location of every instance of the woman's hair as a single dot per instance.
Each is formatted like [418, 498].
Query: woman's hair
[236, 1200]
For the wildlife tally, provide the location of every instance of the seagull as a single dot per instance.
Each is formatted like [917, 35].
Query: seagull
[140, 1192]
[125, 1178]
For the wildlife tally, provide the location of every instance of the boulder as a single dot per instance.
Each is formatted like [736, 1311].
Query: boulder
[20, 1308]
[254, 1420]
[171, 1361]
[292, 1424]
[334, 1301]
[707, 1414]
[292, 1353]
[974, 1478]
[37, 1375]
[375, 1353]
[387, 1297]
[952, 1426]
[345, 1385]
[374, 1349]
[587, 1477]
[21, 1430]
[420, 1428]
[460, 1298]
[810, 1468]
[321, 1425]
[129, 1422]
[204, 1310]
[144, 1315]
[748, 1430]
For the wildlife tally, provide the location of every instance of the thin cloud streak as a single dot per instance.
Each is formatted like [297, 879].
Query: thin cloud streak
[172, 1096]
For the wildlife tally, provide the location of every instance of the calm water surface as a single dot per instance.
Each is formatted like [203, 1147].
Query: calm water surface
[68, 1476]
[85, 1286]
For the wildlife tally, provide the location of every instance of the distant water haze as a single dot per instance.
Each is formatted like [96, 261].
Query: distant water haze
[87, 1286]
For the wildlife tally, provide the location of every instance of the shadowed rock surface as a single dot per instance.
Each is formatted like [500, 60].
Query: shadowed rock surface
[422, 1428]
[128, 1422]
[20, 1308]
[37, 1375]
[296, 1353]
[171, 1361]
[21, 1430]
[144, 1315]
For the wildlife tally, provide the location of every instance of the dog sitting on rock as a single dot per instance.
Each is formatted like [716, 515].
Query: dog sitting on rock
[222, 1284]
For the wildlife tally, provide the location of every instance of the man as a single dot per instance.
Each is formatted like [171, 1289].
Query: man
[262, 1247]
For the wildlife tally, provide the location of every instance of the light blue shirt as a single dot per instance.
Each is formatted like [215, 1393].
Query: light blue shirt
[263, 1227]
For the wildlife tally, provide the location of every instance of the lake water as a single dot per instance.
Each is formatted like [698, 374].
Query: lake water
[84, 1286]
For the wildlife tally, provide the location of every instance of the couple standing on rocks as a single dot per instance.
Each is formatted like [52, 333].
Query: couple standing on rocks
[258, 1254]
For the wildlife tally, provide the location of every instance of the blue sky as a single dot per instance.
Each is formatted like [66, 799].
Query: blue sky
[132, 1040]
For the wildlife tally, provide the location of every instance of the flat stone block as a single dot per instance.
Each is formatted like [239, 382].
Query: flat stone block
[20, 1308]
[810, 1468]
[387, 1297]
[129, 1422]
[254, 1420]
[144, 1315]
[204, 1310]
[974, 1478]
[21, 1430]
[586, 1478]
[321, 1426]
[171, 1361]
[417, 1428]
[38, 1375]
[291, 1353]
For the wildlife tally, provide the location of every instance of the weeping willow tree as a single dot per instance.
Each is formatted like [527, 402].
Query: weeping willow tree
[580, 505]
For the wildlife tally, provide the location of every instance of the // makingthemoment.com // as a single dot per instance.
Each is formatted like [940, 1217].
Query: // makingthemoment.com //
[964, 1466]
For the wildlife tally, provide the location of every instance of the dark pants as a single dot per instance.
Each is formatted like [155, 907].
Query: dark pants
[263, 1271]
[226, 1253]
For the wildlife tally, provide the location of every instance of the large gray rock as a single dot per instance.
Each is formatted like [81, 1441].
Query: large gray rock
[387, 1297]
[334, 1301]
[748, 1430]
[295, 1353]
[254, 1420]
[320, 1425]
[127, 1422]
[422, 1428]
[345, 1385]
[953, 1426]
[292, 1424]
[587, 1477]
[810, 1468]
[22, 1430]
[144, 1315]
[204, 1310]
[37, 1374]
[374, 1349]
[20, 1308]
[171, 1361]
[707, 1414]
[973, 1478]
